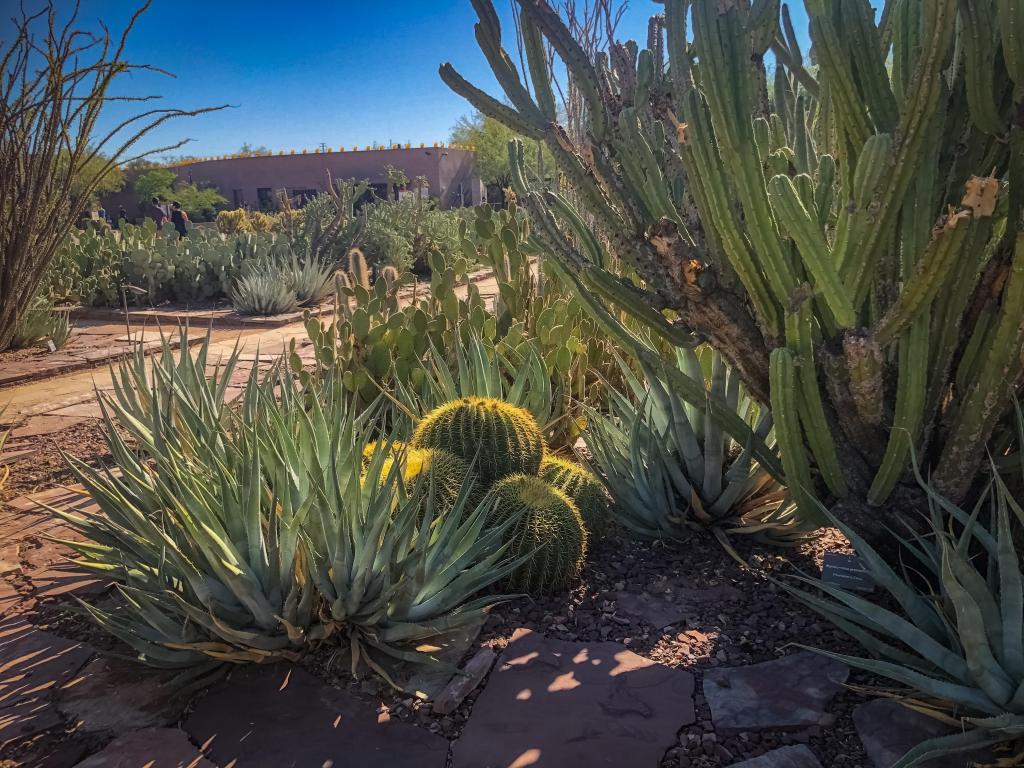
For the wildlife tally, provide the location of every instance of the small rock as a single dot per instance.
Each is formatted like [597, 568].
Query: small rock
[464, 683]
[788, 693]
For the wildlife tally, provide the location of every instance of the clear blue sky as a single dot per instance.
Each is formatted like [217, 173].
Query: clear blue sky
[298, 73]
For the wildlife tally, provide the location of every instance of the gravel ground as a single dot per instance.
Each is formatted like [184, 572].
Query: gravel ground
[760, 625]
[46, 468]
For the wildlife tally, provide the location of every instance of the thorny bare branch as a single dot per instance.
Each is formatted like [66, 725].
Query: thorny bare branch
[55, 80]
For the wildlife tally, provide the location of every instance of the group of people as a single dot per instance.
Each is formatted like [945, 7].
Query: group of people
[176, 215]
[155, 210]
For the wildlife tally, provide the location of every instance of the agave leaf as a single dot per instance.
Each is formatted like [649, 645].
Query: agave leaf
[964, 695]
[941, 746]
[981, 661]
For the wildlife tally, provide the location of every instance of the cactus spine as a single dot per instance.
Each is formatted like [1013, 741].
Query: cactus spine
[550, 528]
[585, 491]
[496, 438]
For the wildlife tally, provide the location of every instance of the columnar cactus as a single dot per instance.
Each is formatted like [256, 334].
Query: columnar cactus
[852, 234]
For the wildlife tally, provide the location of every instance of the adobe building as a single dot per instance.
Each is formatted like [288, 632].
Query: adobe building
[253, 181]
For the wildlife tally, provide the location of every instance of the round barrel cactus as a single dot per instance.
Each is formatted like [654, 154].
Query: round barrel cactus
[580, 485]
[449, 472]
[550, 527]
[502, 439]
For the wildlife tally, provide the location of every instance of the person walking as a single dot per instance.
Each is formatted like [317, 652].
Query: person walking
[156, 212]
[122, 215]
[179, 218]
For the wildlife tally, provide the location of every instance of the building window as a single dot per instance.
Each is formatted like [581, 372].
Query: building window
[239, 198]
[265, 197]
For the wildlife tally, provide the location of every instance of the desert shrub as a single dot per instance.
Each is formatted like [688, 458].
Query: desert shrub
[230, 222]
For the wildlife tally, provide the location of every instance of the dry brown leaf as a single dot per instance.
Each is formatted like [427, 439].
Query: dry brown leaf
[981, 195]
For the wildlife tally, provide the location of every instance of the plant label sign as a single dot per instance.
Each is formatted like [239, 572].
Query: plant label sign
[846, 572]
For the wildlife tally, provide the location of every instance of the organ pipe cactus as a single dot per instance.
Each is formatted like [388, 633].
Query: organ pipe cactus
[847, 234]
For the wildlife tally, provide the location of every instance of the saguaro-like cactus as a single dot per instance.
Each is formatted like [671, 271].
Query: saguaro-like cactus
[851, 235]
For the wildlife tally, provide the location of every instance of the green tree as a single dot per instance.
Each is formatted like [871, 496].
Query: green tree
[108, 178]
[490, 139]
[199, 203]
[158, 182]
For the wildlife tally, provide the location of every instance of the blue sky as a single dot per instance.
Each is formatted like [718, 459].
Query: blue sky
[346, 72]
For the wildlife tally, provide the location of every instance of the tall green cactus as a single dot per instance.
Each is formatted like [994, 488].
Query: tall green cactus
[846, 233]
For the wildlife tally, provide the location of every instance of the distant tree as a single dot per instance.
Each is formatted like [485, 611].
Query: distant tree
[200, 203]
[249, 149]
[54, 149]
[490, 139]
[108, 178]
[158, 182]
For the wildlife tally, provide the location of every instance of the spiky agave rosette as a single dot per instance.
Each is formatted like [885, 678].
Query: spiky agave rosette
[244, 533]
[670, 468]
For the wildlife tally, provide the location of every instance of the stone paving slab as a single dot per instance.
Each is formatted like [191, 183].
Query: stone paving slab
[797, 756]
[33, 664]
[149, 748]
[281, 715]
[40, 426]
[110, 695]
[788, 693]
[556, 704]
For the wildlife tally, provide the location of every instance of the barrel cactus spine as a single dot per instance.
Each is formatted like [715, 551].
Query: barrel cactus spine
[550, 529]
[495, 437]
[582, 487]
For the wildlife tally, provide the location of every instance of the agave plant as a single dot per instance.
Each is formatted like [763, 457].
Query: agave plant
[242, 533]
[672, 470]
[311, 279]
[263, 288]
[472, 366]
[952, 625]
[41, 322]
